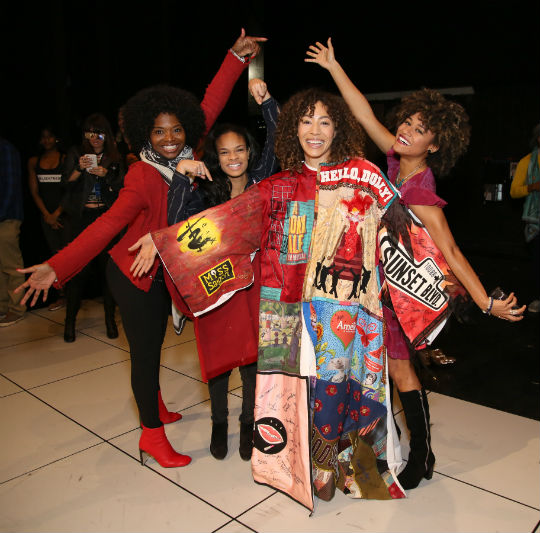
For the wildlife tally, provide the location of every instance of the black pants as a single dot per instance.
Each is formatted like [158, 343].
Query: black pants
[218, 388]
[144, 317]
[97, 267]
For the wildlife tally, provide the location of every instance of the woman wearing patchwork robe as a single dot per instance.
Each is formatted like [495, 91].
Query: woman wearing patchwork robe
[322, 401]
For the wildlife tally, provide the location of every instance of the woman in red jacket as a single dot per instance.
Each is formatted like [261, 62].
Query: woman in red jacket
[163, 123]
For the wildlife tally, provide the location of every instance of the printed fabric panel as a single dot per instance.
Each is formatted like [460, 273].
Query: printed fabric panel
[350, 402]
[281, 448]
[209, 256]
[419, 281]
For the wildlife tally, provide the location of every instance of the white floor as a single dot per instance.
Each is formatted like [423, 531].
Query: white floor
[70, 462]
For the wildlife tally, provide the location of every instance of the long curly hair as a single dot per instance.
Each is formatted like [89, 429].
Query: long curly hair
[218, 191]
[142, 109]
[350, 136]
[447, 120]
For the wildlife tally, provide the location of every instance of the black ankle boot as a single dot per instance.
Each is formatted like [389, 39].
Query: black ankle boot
[112, 330]
[246, 441]
[69, 330]
[421, 459]
[218, 442]
[110, 322]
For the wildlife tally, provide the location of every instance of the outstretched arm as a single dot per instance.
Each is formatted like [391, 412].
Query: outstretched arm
[41, 279]
[437, 226]
[357, 102]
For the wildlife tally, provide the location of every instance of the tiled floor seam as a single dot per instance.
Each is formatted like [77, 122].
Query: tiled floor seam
[64, 378]
[52, 462]
[488, 491]
[234, 522]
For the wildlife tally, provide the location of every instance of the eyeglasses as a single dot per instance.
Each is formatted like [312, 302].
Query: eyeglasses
[94, 135]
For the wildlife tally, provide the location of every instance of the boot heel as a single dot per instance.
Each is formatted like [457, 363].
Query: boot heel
[144, 457]
[431, 466]
[154, 443]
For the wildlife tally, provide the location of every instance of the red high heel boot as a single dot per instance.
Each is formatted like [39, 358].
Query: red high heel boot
[166, 416]
[154, 443]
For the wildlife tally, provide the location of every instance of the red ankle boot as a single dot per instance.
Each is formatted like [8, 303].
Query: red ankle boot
[153, 442]
[166, 416]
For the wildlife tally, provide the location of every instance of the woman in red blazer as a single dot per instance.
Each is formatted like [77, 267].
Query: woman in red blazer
[164, 124]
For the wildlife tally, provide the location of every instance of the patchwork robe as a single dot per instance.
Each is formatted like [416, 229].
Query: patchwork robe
[322, 415]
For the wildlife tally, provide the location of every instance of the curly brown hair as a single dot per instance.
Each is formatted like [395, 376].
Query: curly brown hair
[350, 136]
[447, 120]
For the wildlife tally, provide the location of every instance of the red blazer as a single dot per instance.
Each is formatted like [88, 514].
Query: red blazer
[142, 202]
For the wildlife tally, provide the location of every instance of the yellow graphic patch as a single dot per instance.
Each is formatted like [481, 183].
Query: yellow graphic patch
[198, 235]
[214, 278]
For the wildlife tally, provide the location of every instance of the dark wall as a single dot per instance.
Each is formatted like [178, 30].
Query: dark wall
[65, 60]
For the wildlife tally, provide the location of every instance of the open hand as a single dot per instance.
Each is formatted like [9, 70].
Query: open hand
[146, 256]
[322, 55]
[42, 278]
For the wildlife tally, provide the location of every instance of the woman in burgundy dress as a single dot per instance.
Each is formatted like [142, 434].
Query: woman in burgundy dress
[432, 133]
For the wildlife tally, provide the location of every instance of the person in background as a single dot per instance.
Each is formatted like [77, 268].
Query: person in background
[93, 174]
[12, 310]
[128, 155]
[432, 133]
[47, 190]
[526, 184]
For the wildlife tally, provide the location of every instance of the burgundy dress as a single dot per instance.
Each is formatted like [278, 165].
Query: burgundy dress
[419, 190]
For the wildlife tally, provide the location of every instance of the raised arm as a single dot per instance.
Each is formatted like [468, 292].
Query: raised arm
[219, 90]
[267, 163]
[357, 102]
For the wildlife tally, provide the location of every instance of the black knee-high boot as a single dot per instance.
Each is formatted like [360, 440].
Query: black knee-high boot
[73, 302]
[421, 459]
[110, 307]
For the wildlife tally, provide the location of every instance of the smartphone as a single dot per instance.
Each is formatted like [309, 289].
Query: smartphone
[92, 158]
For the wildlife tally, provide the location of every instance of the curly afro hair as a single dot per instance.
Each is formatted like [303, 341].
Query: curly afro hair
[350, 136]
[447, 120]
[141, 110]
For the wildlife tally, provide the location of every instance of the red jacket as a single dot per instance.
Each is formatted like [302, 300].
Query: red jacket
[142, 202]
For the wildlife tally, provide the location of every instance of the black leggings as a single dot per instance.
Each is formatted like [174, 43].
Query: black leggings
[144, 317]
[218, 388]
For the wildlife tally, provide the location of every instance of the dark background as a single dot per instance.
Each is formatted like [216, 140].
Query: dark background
[64, 60]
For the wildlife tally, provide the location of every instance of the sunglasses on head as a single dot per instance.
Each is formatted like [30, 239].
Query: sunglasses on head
[94, 135]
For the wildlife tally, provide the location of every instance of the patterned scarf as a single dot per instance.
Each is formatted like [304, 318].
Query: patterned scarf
[166, 167]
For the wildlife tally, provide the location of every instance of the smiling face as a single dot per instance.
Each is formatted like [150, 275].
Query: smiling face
[413, 139]
[316, 133]
[233, 154]
[96, 139]
[167, 137]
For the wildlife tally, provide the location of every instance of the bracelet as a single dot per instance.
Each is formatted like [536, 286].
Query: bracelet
[489, 307]
[244, 59]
